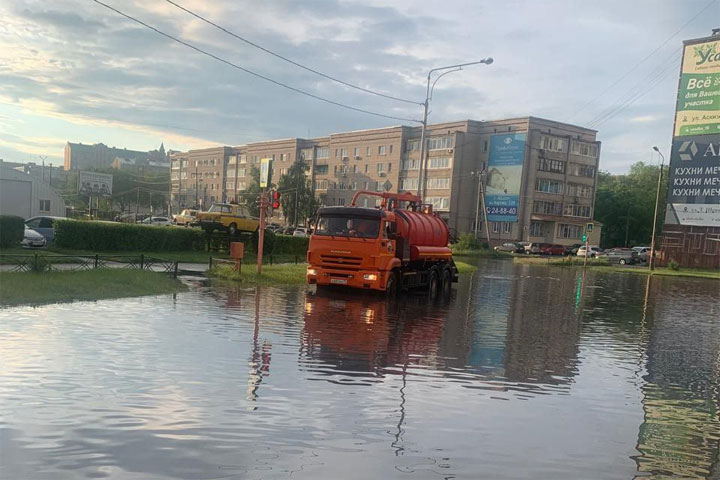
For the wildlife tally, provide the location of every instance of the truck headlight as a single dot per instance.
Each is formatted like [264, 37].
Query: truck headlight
[311, 271]
[370, 276]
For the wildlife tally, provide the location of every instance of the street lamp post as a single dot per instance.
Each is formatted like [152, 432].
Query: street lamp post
[428, 96]
[651, 262]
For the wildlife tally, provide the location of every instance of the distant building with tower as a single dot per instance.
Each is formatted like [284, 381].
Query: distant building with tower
[79, 156]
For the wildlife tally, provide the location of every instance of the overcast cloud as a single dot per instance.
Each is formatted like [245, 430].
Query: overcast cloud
[76, 71]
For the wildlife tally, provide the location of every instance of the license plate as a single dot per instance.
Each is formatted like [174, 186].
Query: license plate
[338, 281]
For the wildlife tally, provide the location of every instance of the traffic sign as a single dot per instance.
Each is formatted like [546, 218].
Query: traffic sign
[589, 227]
[265, 166]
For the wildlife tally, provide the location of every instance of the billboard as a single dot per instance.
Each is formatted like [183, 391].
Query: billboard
[91, 183]
[694, 181]
[507, 155]
[265, 166]
[698, 102]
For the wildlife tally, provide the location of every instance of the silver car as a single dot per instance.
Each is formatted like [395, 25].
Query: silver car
[31, 238]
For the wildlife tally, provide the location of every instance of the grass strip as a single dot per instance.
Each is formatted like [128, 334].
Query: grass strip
[57, 287]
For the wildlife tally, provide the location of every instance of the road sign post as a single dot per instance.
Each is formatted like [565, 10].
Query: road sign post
[585, 239]
[261, 231]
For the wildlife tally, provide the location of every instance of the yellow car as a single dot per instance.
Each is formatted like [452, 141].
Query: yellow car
[186, 217]
[227, 217]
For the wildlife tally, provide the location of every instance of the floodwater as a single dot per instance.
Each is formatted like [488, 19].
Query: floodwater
[526, 372]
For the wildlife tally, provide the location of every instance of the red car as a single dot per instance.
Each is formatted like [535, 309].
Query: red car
[549, 249]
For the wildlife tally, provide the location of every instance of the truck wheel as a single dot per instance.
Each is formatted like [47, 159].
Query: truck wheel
[446, 285]
[391, 288]
[232, 230]
[433, 283]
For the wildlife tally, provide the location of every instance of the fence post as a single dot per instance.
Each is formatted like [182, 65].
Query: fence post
[175, 271]
[96, 260]
[142, 261]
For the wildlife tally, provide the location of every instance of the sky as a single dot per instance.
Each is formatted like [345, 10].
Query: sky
[73, 70]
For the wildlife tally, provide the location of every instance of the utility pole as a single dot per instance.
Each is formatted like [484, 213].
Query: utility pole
[196, 185]
[422, 174]
[261, 231]
[484, 208]
[657, 201]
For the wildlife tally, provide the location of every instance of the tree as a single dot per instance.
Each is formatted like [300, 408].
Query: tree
[251, 195]
[298, 201]
[625, 204]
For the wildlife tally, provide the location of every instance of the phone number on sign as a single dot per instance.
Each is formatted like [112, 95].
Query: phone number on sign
[502, 210]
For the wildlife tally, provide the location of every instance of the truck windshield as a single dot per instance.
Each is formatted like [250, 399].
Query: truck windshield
[347, 226]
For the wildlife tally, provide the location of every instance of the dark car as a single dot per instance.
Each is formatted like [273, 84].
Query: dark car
[506, 247]
[551, 249]
[572, 249]
[622, 256]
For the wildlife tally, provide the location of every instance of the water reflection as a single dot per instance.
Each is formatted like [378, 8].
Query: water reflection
[526, 372]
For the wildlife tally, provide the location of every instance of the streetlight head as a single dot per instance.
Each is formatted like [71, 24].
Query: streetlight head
[656, 149]
[488, 60]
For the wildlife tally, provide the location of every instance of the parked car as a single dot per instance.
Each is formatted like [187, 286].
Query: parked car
[44, 226]
[551, 249]
[186, 217]
[532, 248]
[593, 251]
[159, 221]
[300, 232]
[506, 247]
[32, 238]
[572, 249]
[287, 231]
[642, 252]
[228, 217]
[623, 256]
[521, 247]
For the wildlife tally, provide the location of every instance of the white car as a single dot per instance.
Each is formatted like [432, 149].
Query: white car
[593, 251]
[32, 238]
[300, 232]
[157, 221]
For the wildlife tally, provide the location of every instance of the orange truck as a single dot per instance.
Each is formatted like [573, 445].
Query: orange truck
[399, 245]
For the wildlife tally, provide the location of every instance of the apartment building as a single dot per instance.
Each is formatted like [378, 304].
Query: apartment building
[543, 192]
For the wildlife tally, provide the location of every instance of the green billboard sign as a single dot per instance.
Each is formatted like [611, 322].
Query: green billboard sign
[698, 105]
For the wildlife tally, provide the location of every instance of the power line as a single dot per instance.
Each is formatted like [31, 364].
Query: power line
[248, 71]
[626, 74]
[277, 55]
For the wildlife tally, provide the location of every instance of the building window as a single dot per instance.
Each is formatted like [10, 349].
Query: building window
[367, 151]
[321, 170]
[241, 172]
[355, 168]
[485, 146]
[341, 202]
[580, 170]
[537, 229]
[232, 160]
[439, 162]
[577, 190]
[44, 205]
[356, 152]
[548, 186]
[322, 152]
[230, 185]
[577, 211]
[343, 169]
[554, 144]
[243, 159]
[255, 159]
[184, 175]
[584, 149]
[283, 171]
[343, 152]
[321, 184]
[409, 184]
[495, 227]
[241, 185]
[283, 157]
[366, 168]
[411, 164]
[438, 143]
[550, 165]
[382, 150]
[438, 203]
[565, 230]
[547, 208]
[380, 167]
[391, 148]
[413, 145]
[437, 183]
[507, 227]
[389, 167]
[174, 175]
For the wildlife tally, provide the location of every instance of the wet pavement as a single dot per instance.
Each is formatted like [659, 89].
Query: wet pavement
[525, 372]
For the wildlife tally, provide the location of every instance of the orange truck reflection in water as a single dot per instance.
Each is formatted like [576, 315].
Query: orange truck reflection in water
[397, 246]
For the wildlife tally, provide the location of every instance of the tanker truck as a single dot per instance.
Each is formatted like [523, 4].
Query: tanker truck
[399, 245]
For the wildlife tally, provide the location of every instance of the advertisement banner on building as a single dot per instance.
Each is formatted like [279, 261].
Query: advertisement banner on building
[698, 104]
[91, 183]
[265, 166]
[694, 181]
[507, 155]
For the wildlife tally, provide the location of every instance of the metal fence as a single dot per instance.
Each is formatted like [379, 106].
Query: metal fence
[76, 263]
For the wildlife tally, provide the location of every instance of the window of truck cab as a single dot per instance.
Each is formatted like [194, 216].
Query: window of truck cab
[350, 226]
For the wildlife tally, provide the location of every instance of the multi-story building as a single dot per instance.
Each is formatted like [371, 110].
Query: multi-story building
[79, 156]
[553, 182]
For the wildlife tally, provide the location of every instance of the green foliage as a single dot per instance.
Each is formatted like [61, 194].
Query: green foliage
[673, 265]
[625, 204]
[106, 236]
[253, 191]
[268, 242]
[298, 193]
[288, 245]
[467, 241]
[12, 230]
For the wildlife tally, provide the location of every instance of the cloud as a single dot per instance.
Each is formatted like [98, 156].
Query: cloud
[644, 119]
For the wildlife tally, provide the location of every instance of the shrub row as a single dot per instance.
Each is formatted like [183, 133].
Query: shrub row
[12, 230]
[287, 245]
[115, 237]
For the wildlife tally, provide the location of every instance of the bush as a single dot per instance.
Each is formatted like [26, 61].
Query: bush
[115, 237]
[289, 245]
[467, 241]
[12, 230]
[673, 265]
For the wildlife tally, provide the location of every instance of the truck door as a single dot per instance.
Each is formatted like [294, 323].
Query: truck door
[387, 239]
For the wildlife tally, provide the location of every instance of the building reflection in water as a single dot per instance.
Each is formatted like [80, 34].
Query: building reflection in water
[680, 434]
